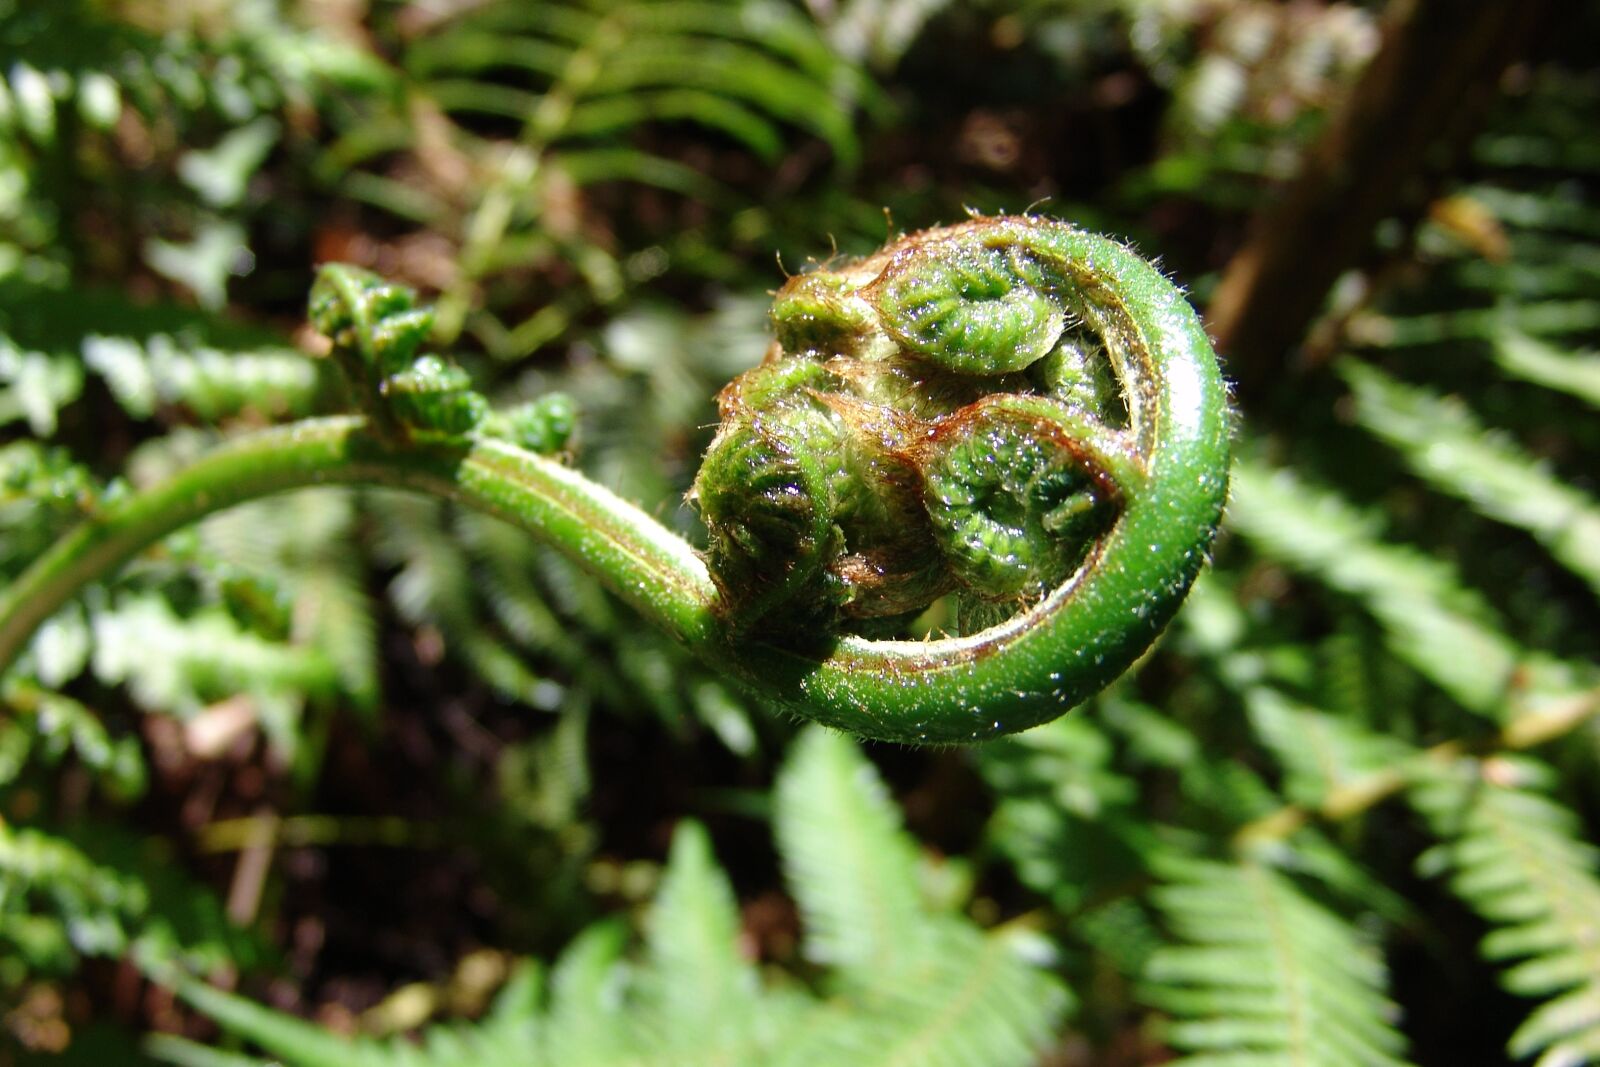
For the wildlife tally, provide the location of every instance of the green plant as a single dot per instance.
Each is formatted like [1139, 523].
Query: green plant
[1062, 353]
[332, 748]
[906, 980]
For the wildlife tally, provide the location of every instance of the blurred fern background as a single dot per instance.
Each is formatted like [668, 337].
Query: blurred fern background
[357, 778]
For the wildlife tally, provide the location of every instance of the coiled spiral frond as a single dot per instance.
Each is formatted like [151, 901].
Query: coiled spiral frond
[1014, 415]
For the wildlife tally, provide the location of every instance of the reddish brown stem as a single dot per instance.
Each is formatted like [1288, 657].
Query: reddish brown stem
[1406, 118]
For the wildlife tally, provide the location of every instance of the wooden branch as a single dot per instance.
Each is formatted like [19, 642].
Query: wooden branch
[1407, 119]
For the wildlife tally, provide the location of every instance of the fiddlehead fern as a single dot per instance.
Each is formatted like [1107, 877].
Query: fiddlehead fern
[1011, 413]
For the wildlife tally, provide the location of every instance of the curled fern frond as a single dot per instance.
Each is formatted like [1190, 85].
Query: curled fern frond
[912, 435]
[935, 420]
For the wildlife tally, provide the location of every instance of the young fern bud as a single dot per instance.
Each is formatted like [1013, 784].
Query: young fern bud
[1013, 508]
[1010, 413]
[376, 328]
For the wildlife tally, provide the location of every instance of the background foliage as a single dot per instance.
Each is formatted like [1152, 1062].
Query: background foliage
[348, 766]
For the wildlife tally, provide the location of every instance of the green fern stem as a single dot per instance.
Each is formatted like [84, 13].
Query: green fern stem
[645, 564]
[1010, 413]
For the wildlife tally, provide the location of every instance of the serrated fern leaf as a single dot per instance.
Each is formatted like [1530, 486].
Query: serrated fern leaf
[35, 386]
[699, 994]
[181, 1052]
[946, 995]
[853, 872]
[957, 999]
[1574, 373]
[742, 68]
[1561, 209]
[1434, 622]
[295, 1040]
[921, 990]
[303, 546]
[92, 891]
[42, 493]
[74, 54]
[48, 725]
[1520, 860]
[1262, 975]
[1446, 446]
[143, 373]
[1541, 318]
[506, 1037]
[1321, 753]
[1064, 811]
[175, 663]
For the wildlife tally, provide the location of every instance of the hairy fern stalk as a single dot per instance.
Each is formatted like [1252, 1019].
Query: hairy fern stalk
[1013, 411]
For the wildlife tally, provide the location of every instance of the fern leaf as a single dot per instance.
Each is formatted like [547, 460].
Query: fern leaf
[506, 1037]
[1574, 373]
[701, 993]
[42, 493]
[610, 114]
[692, 1002]
[302, 1043]
[1520, 860]
[93, 891]
[52, 725]
[173, 663]
[945, 994]
[957, 999]
[1561, 210]
[590, 1016]
[736, 68]
[1540, 318]
[181, 1052]
[1064, 815]
[589, 165]
[922, 991]
[211, 382]
[35, 387]
[738, 73]
[852, 872]
[471, 49]
[1320, 752]
[1441, 627]
[1449, 449]
[1263, 975]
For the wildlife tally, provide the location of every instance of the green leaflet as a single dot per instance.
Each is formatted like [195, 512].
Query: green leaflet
[1321, 752]
[1576, 373]
[741, 68]
[1447, 447]
[1520, 860]
[1443, 628]
[1262, 974]
[927, 989]
[51, 725]
[87, 890]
